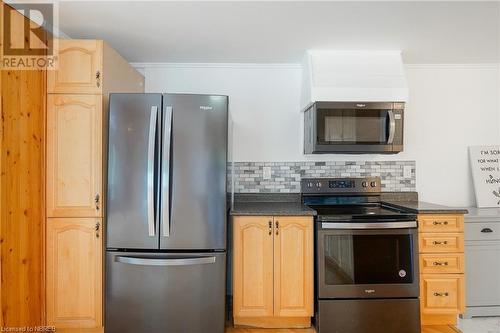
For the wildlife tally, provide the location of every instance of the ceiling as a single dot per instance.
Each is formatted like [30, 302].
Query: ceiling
[279, 32]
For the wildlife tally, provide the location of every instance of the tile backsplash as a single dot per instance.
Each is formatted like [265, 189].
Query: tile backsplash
[284, 177]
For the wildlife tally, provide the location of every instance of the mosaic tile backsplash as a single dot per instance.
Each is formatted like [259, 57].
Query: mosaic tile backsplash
[284, 177]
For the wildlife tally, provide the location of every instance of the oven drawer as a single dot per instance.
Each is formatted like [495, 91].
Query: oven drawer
[441, 242]
[442, 294]
[440, 223]
[442, 263]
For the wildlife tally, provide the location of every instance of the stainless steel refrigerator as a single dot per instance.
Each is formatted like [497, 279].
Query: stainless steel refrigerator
[166, 213]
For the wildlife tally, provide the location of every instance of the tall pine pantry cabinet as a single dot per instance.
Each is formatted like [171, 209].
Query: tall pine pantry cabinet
[77, 105]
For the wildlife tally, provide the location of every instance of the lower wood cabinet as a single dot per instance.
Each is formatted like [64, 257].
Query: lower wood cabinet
[273, 271]
[74, 272]
[442, 281]
[442, 293]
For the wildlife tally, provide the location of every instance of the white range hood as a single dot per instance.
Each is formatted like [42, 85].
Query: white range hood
[353, 76]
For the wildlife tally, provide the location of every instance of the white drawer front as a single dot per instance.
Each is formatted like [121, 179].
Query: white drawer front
[482, 231]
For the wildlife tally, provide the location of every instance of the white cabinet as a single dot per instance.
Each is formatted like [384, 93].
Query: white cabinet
[482, 262]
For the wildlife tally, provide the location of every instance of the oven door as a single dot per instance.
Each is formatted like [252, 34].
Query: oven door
[366, 263]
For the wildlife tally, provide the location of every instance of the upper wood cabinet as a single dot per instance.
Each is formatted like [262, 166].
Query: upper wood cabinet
[74, 272]
[273, 271]
[293, 267]
[92, 67]
[253, 266]
[74, 156]
[79, 67]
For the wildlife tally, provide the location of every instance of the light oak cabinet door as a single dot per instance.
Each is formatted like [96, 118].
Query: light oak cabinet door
[253, 266]
[74, 272]
[74, 156]
[293, 267]
[442, 293]
[79, 67]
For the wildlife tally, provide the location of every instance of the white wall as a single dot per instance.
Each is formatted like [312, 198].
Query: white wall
[450, 108]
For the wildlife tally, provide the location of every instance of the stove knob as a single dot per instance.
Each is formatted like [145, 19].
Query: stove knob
[364, 184]
[373, 184]
[318, 184]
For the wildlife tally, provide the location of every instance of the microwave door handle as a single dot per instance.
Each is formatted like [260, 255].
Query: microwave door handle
[165, 172]
[392, 126]
[151, 171]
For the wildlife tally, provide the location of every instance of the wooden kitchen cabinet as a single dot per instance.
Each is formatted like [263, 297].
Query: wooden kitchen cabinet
[87, 66]
[74, 156]
[253, 266]
[74, 272]
[293, 264]
[273, 271]
[79, 67]
[442, 278]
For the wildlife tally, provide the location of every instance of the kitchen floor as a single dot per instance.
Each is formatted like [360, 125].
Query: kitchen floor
[474, 325]
[480, 325]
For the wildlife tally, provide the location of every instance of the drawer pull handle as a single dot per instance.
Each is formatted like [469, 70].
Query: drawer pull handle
[440, 263]
[440, 242]
[441, 294]
[486, 230]
[440, 223]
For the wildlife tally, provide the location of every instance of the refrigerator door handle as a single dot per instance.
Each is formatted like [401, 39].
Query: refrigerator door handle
[151, 171]
[165, 261]
[165, 172]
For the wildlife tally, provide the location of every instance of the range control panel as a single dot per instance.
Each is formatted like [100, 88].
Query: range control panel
[340, 185]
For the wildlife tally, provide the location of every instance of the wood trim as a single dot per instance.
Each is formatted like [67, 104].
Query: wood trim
[438, 319]
[273, 322]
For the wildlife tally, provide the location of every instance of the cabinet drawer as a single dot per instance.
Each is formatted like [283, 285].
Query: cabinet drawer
[440, 223]
[442, 294]
[430, 243]
[482, 231]
[442, 263]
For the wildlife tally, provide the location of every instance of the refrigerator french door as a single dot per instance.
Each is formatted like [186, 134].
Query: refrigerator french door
[166, 213]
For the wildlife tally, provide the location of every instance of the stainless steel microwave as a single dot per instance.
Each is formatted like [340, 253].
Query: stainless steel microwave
[353, 128]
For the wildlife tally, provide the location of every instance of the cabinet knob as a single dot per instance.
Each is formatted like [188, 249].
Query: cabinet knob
[445, 294]
[97, 228]
[98, 79]
[440, 222]
[486, 230]
[440, 263]
[97, 200]
[440, 242]
[270, 228]
[277, 227]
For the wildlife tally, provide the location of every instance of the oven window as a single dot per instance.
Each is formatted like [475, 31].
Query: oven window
[349, 126]
[367, 259]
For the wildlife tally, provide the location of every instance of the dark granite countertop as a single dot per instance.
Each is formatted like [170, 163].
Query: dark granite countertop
[270, 204]
[290, 204]
[271, 208]
[420, 207]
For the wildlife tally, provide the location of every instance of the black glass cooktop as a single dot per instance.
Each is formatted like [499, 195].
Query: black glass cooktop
[364, 212]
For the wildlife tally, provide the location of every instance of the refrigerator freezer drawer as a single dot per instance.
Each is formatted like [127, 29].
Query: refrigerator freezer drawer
[165, 292]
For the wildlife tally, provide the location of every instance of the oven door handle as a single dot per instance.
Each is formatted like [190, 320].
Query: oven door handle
[374, 225]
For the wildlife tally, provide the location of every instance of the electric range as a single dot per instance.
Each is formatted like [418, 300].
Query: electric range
[366, 258]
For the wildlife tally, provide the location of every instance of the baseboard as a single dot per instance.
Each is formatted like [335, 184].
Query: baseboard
[273, 322]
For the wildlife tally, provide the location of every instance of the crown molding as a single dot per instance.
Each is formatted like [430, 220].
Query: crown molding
[217, 65]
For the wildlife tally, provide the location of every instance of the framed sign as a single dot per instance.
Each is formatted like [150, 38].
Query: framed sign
[485, 166]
